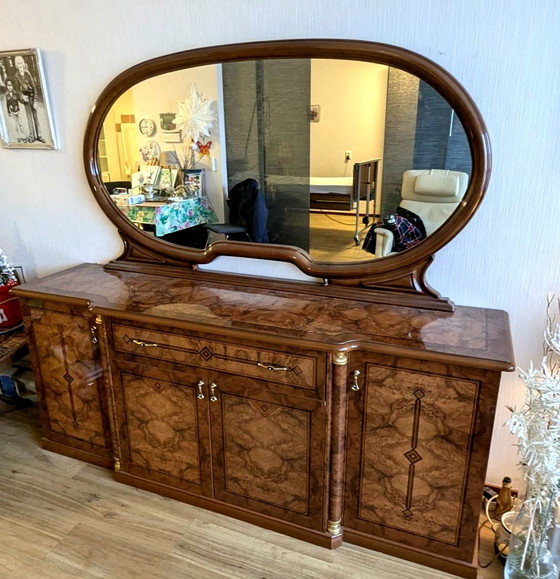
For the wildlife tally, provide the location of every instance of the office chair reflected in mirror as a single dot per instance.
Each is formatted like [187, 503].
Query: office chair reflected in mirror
[248, 214]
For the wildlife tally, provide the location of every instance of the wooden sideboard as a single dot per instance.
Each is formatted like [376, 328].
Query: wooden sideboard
[323, 417]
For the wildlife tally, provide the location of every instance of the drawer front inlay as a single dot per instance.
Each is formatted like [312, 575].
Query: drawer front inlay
[271, 365]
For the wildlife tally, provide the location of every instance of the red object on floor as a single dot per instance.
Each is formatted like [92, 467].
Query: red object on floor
[10, 310]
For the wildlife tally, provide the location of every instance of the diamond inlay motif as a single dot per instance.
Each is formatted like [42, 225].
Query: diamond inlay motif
[263, 408]
[206, 353]
[68, 377]
[159, 387]
[297, 370]
[419, 393]
[408, 514]
[413, 456]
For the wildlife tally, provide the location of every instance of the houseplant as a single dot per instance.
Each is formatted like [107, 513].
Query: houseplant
[534, 550]
[10, 311]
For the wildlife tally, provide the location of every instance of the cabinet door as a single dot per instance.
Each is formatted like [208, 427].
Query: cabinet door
[418, 437]
[269, 450]
[68, 374]
[163, 426]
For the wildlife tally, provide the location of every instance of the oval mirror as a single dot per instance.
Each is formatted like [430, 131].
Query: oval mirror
[350, 159]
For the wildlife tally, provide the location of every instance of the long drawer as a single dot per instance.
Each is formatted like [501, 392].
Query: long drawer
[302, 369]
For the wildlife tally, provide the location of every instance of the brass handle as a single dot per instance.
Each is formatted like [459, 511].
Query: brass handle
[200, 394]
[274, 368]
[213, 397]
[356, 386]
[144, 344]
[94, 339]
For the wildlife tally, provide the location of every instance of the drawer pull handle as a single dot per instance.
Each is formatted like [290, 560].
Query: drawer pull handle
[213, 397]
[356, 386]
[273, 368]
[94, 339]
[200, 394]
[144, 344]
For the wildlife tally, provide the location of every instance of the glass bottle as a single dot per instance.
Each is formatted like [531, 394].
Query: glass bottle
[534, 547]
[503, 500]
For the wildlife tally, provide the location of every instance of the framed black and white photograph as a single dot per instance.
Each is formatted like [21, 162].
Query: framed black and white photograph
[25, 115]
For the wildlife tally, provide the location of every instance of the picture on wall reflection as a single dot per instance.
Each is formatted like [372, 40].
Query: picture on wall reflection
[314, 113]
[25, 116]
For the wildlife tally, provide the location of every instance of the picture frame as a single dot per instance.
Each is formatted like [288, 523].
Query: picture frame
[173, 136]
[194, 182]
[315, 113]
[167, 121]
[18, 272]
[25, 113]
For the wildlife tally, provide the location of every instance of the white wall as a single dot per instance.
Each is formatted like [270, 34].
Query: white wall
[352, 97]
[162, 94]
[504, 53]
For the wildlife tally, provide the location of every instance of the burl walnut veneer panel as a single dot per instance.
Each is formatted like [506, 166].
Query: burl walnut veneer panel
[164, 433]
[417, 442]
[269, 450]
[417, 435]
[266, 452]
[69, 378]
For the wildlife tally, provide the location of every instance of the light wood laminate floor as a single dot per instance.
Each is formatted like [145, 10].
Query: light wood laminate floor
[331, 238]
[61, 518]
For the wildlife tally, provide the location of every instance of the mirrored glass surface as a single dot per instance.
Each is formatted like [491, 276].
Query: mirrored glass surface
[347, 160]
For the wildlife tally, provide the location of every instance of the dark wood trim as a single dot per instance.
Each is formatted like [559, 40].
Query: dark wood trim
[398, 279]
[338, 441]
[110, 402]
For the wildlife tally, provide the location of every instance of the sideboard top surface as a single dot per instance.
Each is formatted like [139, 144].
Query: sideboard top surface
[472, 336]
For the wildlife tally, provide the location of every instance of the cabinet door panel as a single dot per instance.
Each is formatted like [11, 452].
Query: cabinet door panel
[270, 454]
[69, 380]
[164, 433]
[410, 436]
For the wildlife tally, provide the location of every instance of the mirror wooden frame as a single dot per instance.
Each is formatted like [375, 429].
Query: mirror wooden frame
[397, 279]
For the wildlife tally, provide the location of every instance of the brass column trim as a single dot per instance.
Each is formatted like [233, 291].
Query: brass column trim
[335, 528]
[340, 359]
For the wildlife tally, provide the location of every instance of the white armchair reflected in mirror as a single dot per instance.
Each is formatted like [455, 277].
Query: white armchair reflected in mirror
[428, 198]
